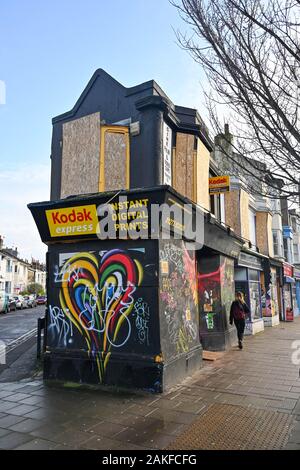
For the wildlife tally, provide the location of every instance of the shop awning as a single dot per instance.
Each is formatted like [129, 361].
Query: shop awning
[275, 262]
[289, 280]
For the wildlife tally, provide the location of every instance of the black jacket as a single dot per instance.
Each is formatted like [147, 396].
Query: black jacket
[241, 305]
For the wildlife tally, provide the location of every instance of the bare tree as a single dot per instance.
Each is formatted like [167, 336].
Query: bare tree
[250, 52]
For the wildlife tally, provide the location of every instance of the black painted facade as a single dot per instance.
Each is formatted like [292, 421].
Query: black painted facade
[146, 104]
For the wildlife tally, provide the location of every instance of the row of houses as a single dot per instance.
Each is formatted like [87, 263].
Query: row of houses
[257, 211]
[16, 273]
[166, 302]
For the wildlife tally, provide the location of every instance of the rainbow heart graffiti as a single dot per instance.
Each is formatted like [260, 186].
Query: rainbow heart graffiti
[98, 297]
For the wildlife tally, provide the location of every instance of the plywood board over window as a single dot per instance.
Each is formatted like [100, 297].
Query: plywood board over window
[115, 158]
[80, 156]
[184, 166]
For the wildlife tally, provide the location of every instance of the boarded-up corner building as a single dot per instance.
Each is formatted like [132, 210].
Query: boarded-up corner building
[122, 311]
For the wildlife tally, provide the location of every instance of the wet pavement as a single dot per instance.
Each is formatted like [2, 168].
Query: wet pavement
[258, 387]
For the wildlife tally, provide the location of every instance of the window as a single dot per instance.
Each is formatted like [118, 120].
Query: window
[275, 244]
[254, 275]
[9, 266]
[8, 287]
[115, 158]
[185, 165]
[215, 206]
[16, 268]
[80, 156]
[255, 299]
[252, 226]
[296, 253]
[222, 206]
[240, 274]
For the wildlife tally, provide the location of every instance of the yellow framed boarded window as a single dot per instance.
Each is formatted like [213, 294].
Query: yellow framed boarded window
[114, 158]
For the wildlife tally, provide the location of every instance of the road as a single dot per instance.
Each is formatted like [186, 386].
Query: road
[18, 333]
[17, 324]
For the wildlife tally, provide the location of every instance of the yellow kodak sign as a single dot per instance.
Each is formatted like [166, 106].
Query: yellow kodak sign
[72, 221]
[219, 184]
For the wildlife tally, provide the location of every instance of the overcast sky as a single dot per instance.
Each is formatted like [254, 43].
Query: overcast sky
[48, 52]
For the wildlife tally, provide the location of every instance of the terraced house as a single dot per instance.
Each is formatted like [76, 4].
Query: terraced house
[16, 273]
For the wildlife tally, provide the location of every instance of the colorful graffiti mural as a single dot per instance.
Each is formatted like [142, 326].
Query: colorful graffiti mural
[216, 292]
[179, 298]
[227, 285]
[210, 296]
[97, 297]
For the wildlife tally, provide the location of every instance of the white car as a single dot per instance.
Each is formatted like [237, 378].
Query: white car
[20, 302]
[30, 301]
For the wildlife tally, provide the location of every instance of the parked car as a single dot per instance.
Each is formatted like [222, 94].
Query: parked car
[30, 301]
[4, 305]
[33, 301]
[41, 300]
[20, 302]
[12, 304]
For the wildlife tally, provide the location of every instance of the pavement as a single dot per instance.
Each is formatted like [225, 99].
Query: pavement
[246, 399]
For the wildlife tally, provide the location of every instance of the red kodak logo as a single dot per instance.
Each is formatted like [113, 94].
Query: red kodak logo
[74, 216]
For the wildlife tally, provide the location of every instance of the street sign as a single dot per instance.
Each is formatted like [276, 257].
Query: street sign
[219, 185]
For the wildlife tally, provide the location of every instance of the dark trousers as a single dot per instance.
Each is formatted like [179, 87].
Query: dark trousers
[240, 326]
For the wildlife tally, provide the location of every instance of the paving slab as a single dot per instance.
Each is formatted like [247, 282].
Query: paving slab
[227, 427]
[12, 440]
[259, 386]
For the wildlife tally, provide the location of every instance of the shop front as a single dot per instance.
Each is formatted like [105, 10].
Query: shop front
[216, 287]
[216, 293]
[296, 292]
[248, 272]
[270, 292]
[288, 282]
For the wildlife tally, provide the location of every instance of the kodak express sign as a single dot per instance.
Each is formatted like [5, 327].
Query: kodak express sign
[219, 184]
[82, 220]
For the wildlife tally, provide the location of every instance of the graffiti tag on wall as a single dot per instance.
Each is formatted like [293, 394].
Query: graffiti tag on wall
[142, 316]
[60, 327]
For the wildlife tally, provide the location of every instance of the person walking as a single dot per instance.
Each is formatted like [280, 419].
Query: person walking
[238, 312]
